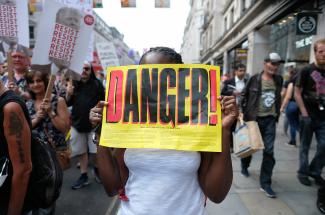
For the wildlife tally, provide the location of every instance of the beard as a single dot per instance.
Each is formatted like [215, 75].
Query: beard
[320, 62]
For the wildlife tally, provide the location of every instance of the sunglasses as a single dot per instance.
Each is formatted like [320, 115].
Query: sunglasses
[275, 63]
[86, 68]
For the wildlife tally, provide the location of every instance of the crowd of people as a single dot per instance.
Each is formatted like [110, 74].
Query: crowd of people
[186, 178]
[264, 96]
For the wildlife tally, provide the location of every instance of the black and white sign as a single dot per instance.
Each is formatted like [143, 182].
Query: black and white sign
[306, 23]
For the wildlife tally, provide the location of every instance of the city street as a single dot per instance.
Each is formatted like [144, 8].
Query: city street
[245, 197]
[90, 200]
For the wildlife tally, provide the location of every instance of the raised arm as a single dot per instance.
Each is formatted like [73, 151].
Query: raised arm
[112, 170]
[18, 136]
[215, 173]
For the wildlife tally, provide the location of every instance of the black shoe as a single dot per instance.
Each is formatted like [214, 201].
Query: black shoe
[245, 172]
[304, 180]
[81, 182]
[318, 179]
[321, 207]
[268, 191]
[291, 143]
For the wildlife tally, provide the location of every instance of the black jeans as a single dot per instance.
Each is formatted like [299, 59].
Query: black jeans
[307, 127]
[267, 126]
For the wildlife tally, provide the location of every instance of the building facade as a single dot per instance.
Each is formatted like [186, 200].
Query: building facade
[244, 31]
[192, 43]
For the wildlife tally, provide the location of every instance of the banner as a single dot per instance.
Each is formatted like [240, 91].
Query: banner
[107, 54]
[14, 22]
[35, 5]
[128, 3]
[62, 37]
[97, 4]
[162, 3]
[163, 106]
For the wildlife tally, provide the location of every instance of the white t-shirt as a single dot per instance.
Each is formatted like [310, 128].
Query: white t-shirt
[162, 182]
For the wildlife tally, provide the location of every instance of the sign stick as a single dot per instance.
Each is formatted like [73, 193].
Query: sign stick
[49, 89]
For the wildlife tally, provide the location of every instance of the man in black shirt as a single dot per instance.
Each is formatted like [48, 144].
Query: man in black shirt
[82, 96]
[310, 97]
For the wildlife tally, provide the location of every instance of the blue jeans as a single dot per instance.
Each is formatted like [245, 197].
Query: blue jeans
[267, 126]
[307, 127]
[292, 113]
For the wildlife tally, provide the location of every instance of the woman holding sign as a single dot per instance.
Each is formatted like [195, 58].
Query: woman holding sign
[158, 181]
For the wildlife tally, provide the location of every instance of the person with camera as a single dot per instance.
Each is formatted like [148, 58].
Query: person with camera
[310, 97]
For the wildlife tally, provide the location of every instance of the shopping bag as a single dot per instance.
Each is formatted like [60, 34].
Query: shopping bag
[247, 138]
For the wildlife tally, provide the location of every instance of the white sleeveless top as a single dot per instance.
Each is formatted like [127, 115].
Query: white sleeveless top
[162, 182]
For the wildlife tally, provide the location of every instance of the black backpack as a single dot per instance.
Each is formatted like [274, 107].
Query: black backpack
[45, 181]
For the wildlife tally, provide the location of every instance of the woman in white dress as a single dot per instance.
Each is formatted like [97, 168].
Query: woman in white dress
[167, 182]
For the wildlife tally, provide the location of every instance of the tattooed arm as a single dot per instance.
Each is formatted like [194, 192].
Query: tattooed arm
[18, 136]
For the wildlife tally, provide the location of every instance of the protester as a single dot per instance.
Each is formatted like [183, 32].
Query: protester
[15, 140]
[261, 103]
[50, 120]
[21, 64]
[161, 181]
[290, 107]
[310, 97]
[82, 96]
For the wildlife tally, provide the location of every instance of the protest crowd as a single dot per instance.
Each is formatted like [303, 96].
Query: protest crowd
[51, 112]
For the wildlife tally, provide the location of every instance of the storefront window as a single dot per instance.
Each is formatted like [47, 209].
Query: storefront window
[291, 47]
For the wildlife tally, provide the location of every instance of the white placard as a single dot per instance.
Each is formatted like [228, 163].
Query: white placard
[62, 37]
[14, 27]
[107, 54]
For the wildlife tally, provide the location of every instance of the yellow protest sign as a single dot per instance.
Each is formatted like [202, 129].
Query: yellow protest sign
[165, 106]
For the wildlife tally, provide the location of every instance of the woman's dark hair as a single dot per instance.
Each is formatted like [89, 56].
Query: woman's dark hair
[173, 56]
[29, 79]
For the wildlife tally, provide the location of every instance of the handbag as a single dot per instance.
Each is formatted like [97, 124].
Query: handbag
[247, 138]
[62, 154]
[4, 165]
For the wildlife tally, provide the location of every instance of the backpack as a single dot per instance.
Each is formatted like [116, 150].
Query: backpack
[46, 178]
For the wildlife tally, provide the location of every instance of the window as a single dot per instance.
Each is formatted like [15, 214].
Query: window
[31, 32]
[243, 5]
[225, 25]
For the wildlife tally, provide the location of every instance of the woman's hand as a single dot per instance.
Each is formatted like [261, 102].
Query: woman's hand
[95, 115]
[229, 110]
[46, 106]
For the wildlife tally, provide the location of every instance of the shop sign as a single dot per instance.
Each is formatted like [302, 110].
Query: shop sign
[306, 23]
[304, 42]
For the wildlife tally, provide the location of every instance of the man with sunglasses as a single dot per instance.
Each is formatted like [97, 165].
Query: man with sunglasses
[82, 96]
[261, 103]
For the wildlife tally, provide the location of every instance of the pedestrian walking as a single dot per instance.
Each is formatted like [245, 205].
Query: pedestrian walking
[161, 181]
[261, 103]
[82, 96]
[310, 97]
[290, 107]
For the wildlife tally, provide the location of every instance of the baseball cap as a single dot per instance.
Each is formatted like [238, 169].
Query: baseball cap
[273, 57]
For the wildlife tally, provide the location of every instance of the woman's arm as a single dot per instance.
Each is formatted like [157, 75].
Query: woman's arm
[112, 170]
[215, 173]
[18, 136]
[60, 119]
[287, 97]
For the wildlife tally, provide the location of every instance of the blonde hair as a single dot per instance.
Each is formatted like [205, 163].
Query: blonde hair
[320, 41]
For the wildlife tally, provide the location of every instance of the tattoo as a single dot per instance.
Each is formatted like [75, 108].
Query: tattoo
[16, 128]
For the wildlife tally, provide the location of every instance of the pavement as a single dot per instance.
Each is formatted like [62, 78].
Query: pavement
[245, 198]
